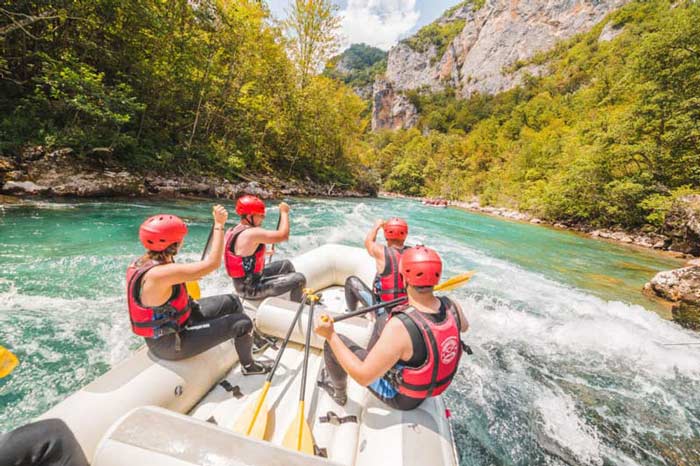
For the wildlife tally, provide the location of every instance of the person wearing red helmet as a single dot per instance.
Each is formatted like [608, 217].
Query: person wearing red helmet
[175, 326]
[388, 283]
[413, 353]
[245, 251]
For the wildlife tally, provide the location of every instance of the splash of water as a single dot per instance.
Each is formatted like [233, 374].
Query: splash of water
[566, 371]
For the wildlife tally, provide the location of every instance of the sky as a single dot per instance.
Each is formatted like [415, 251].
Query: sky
[381, 23]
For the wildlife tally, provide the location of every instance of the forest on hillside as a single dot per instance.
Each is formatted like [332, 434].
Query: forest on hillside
[206, 86]
[609, 136]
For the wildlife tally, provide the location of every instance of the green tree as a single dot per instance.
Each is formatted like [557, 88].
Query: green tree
[312, 26]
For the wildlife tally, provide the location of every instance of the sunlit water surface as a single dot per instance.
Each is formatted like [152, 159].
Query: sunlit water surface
[569, 366]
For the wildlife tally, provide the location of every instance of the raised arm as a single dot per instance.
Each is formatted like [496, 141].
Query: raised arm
[260, 235]
[172, 274]
[374, 249]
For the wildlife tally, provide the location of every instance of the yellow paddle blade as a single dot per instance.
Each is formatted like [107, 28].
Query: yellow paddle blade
[8, 362]
[193, 290]
[253, 422]
[454, 282]
[298, 436]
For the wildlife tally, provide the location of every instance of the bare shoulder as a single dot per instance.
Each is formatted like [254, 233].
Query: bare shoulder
[396, 330]
[376, 251]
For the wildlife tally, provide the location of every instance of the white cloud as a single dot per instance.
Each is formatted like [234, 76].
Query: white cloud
[377, 22]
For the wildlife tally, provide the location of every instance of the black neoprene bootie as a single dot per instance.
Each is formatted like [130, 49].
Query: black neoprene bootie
[256, 368]
[324, 381]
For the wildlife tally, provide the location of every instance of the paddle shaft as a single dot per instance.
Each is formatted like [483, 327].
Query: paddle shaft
[446, 285]
[299, 423]
[206, 246]
[365, 310]
[290, 330]
[268, 380]
[307, 342]
[272, 246]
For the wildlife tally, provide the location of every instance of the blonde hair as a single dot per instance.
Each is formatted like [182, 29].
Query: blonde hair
[159, 256]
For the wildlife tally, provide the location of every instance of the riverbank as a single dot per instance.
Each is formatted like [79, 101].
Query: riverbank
[58, 173]
[639, 238]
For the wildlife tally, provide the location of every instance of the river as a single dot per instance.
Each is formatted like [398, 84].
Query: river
[569, 364]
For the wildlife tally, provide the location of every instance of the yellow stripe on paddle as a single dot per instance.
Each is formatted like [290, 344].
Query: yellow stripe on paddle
[299, 436]
[8, 362]
[194, 290]
[255, 417]
[455, 282]
[253, 421]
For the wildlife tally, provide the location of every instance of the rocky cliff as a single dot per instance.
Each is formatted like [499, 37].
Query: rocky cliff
[481, 57]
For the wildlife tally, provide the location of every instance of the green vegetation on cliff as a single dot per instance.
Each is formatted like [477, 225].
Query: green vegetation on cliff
[435, 34]
[358, 66]
[608, 137]
[441, 33]
[175, 85]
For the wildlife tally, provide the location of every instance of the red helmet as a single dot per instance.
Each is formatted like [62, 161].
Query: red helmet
[396, 229]
[160, 231]
[250, 205]
[420, 266]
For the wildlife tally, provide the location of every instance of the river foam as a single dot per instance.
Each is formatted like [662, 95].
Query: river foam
[561, 374]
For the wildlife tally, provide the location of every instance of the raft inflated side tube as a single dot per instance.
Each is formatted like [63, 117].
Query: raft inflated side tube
[332, 264]
[275, 315]
[141, 380]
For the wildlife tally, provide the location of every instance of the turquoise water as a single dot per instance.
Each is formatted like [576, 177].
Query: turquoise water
[569, 366]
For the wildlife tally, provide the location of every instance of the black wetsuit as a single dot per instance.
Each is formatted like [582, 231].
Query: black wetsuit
[385, 388]
[277, 278]
[357, 292]
[213, 320]
[42, 443]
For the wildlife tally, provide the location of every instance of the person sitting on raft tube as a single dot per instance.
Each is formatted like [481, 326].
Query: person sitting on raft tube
[414, 351]
[388, 283]
[175, 326]
[244, 254]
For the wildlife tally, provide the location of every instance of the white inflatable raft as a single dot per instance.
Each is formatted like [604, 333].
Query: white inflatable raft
[146, 411]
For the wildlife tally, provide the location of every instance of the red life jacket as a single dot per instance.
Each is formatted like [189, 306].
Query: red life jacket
[389, 284]
[242, 266]
[444, 350]
[154, 322]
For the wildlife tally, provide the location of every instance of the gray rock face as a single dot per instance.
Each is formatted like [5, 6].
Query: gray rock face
[60, 173]
[682, 225]
[681, 287]
[23, 187]
[408, 69]
[504, 32]
[678, 285]
[609, 32]
[391, 109]
[494, 38]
